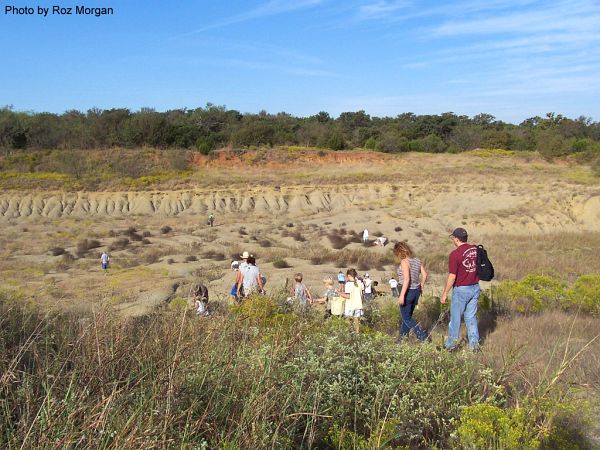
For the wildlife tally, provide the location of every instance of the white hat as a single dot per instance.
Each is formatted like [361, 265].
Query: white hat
[366, 275]
[245, 255]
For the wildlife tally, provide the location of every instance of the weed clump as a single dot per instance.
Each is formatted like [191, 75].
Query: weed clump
[119, 244]
[166, 229]
[85, 246]
[57, 251]
[216, 256]
[281, 263]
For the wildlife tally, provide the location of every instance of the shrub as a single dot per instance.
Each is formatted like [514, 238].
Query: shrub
[146, 241]
[152, 256]
[216, 256]
[363, 265]
[86, 245]
[297, 235]
[265, 243]
[317, 259]
[533, 293]
[146, 234]
[166, 229]
[486, 426]
[132, 233]
[337, 241]
[242, 231]
[170, 261]
[57, 251]
[281, 263]
[191, 258]
[119, 244]
[585, 293]
[398, 229]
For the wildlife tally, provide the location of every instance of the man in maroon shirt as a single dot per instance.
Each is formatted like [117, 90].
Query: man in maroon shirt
[463, 279]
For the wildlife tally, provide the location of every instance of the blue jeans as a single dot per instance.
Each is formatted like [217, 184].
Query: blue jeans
[464, 302]
[406, 311]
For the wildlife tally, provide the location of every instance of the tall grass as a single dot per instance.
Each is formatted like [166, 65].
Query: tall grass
[259, 376]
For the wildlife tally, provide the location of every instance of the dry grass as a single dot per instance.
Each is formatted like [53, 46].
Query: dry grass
[525, 349]
[567, 255]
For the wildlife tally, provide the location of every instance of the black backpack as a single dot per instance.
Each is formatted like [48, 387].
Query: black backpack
[485, 268]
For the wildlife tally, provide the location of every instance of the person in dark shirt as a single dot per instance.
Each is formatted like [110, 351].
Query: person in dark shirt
[464, 282]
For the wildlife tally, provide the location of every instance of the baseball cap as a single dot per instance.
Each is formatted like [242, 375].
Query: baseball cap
[459, 233]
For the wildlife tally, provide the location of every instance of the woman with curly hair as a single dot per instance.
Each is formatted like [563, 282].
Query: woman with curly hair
[411, 277]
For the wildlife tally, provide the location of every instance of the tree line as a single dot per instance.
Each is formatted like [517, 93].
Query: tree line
[208, 128]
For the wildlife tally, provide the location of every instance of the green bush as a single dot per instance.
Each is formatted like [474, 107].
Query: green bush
[585, 293]
[486, 426]
[535, 293]
[281, 263]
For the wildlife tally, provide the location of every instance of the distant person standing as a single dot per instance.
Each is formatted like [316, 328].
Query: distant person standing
[365, 236]
[341, 278]
[464, 282]
[353, 308]
[300, 292]
[211, 220]
[250, 281]
[394, 287]
[104, 261]
[368, 287]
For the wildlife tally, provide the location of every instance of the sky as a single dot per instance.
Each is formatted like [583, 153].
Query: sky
[513, 59]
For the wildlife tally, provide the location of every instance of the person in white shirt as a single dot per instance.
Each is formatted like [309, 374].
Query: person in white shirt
[250, 279]
[365, 235]
[394, 286]
[353, 308]
[104, 261]
[368, 287]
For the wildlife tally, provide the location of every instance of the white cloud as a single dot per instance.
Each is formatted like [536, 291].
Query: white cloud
[267, 9]
[380, 9]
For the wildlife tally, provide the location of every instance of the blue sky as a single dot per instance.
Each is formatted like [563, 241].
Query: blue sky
[511, 58]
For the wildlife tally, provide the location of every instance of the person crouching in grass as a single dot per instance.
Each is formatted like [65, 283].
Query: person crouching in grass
[353, 309]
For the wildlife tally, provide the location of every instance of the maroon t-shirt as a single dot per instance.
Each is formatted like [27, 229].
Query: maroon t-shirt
[463, 264]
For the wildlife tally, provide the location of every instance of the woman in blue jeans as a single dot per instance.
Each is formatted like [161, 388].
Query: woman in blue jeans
[412, 277]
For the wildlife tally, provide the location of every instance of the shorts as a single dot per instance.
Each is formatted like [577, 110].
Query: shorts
[353, 313]
[104, 266]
